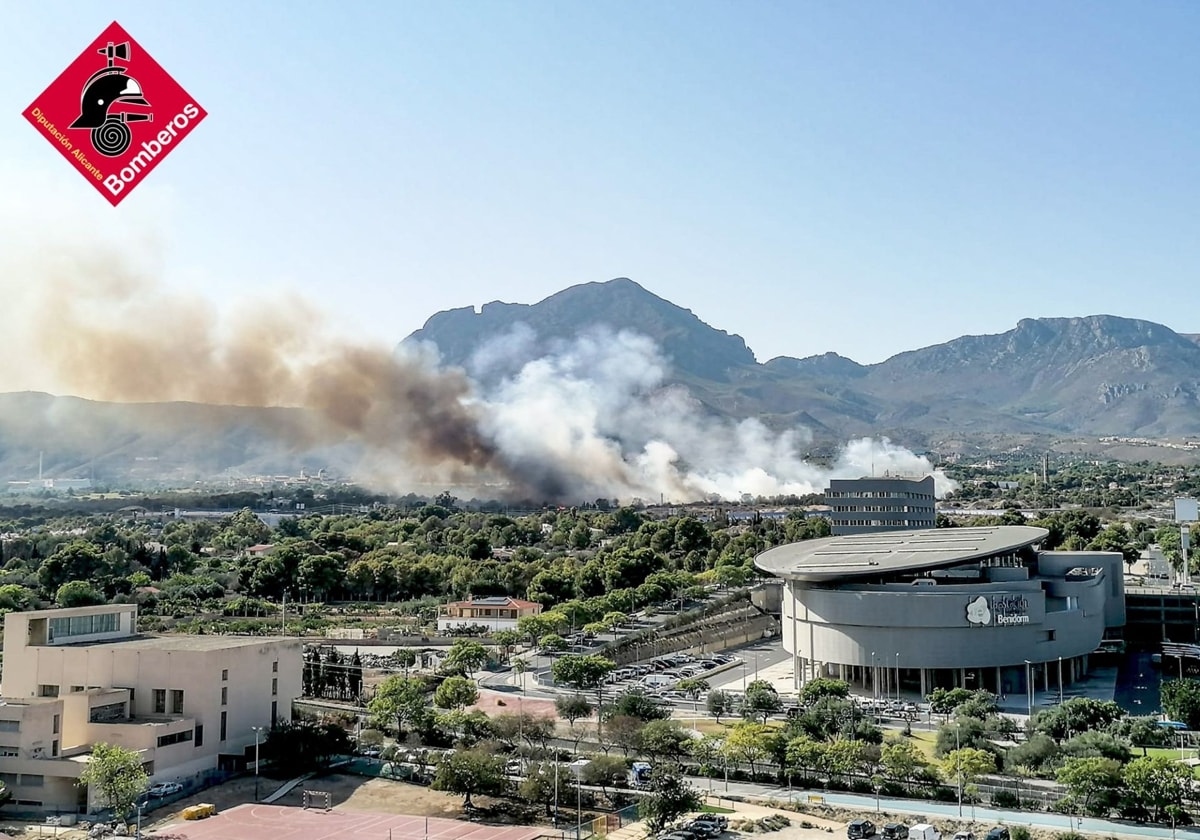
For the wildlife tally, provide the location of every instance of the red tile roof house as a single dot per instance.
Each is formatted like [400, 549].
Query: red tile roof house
[498, 612]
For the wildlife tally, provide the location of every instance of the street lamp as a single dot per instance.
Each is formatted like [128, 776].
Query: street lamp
[897, 677]
[1060, 685]
[874, 677]
[140, 806]
[1029, 684]
[257, 731]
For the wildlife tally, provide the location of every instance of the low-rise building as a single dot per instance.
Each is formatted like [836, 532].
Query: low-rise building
[187, 704]
[499, 612]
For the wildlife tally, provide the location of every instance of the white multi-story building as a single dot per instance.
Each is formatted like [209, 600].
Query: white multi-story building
[188, 704]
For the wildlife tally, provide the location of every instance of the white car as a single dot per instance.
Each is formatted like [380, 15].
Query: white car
[164, 788]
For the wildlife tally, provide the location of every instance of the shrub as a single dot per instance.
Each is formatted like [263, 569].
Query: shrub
[1006, 799]
[1018, 832]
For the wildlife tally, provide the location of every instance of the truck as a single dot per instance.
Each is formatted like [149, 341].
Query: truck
[924, 831]
[640, 774]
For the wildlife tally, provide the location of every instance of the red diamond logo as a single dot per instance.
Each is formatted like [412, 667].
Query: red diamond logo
[114, 114]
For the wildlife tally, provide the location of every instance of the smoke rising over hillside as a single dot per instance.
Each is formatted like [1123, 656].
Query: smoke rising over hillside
[590, 419]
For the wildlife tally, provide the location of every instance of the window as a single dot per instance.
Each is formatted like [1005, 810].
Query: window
[176, 701]
[10, 726]
[84, 625]
[56, 723]
[174, 738]
[107, 713]
[274, 712]
[9, 779]
[75, 689]
[275, 667]
[9, 752]
[29, 780]
[224, 675]
[160, 701]
[274, 686]
[54, 748]
[47, 691]
[199, 736]
[224, 696]
[224, 720]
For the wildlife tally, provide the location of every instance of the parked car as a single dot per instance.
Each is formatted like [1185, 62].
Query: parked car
[860, 829]
[998, 833]
[719, 820]
[704, 829]
[164, 789]
[897, 831]
[924, 831]
[963, 835]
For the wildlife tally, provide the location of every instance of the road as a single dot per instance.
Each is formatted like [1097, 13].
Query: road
[942, 810]
[1137, 689]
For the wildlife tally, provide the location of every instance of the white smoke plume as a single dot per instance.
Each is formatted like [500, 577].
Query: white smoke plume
[593, 416]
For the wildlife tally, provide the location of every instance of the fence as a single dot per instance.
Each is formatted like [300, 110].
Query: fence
[603, 824]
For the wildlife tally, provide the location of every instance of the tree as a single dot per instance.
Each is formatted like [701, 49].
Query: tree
[1097, 745]
[456, 693]
[1157, 783]
[693, 687]
[604, 771]
[750, 743]
[963, 766]
[804, 754]
[78, 593]
[533, 627]
[623, 731]
[471, 772]
[506, 640]
[902, 761]
[572, 708]
[1181, 700]
[465, 657]
[669, 797]
[761, 700]
[553, 642]
[546, 784]
[661, 739]
[582, 672]
[1142, 732]
[405, 658]
[1092, 782]
[815, 689]
[636, 703]
[400, 699]
[305, 746]
[1079, 714]
[719, 703]
[1035, 755]
[117, 775]
[944, 701]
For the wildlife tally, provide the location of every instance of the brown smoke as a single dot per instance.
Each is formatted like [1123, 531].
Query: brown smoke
[102, 329]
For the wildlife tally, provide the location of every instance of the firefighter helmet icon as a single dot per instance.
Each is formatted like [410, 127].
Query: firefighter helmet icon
[107, 87]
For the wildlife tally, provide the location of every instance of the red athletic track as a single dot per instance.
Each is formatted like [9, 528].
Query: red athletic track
[277, 822]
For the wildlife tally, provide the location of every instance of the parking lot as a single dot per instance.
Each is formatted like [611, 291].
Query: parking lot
[658, 677]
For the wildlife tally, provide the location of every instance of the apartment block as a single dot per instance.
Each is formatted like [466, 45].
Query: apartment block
[187, 704]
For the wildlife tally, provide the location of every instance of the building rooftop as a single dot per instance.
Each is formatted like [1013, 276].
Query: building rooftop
[891, 552]
[493, 601]
[180, 642]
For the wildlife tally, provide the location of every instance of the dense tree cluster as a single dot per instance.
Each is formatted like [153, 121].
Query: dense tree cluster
[415, 555]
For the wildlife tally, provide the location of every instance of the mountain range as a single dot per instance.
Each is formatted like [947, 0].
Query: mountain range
[1094, 375]
[1044, 380]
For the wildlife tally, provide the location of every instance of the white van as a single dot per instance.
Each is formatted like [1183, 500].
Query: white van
[924, 831]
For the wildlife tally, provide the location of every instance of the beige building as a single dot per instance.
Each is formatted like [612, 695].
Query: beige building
[498, 612]
[187, 704]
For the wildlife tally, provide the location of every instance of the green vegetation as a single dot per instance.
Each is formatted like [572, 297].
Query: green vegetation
[117, 775]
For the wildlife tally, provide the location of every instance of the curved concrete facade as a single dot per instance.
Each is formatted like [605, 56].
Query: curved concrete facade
[976, 624]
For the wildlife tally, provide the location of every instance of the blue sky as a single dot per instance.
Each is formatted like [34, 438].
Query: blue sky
[864, 178]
